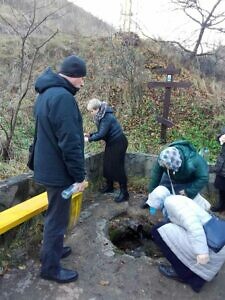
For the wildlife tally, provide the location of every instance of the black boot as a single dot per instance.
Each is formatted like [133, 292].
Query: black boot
[123, 195]
[108, 188]
[169, 272]
[63, 276]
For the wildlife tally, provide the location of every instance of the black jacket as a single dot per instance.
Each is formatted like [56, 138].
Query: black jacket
[109, 128]
[59, 149]
[220, 162]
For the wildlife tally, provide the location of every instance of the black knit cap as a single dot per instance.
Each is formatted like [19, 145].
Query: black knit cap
[73, 66]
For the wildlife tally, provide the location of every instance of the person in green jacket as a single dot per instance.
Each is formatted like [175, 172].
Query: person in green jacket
[179, 166]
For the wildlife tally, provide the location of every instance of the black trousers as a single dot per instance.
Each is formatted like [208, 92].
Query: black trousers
[55, 225]
[182, 271]
[222, 197]
[114, 160]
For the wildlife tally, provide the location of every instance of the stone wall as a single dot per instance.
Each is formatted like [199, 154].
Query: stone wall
[139, 164]
[20, 188]
[17, 189]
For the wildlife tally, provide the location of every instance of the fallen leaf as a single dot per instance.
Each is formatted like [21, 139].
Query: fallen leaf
[104, 282]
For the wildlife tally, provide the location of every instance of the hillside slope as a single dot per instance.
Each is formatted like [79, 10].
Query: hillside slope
[119, 69]
[65, 16]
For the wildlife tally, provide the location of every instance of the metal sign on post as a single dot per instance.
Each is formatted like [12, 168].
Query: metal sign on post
[170, 71]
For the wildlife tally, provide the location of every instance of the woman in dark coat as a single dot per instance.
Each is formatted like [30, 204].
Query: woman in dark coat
[220, 174]
[116, 144]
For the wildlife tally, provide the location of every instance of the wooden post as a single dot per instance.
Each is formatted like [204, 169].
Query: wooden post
[170, 71]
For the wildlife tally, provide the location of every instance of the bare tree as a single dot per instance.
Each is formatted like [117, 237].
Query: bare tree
[23, 28]
[126, 69]
[212, 19]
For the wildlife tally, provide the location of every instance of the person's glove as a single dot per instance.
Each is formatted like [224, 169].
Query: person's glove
[86, 139]
[202, 259]
[152, 211]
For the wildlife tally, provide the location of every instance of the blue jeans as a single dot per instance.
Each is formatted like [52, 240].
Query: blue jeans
[55, 225]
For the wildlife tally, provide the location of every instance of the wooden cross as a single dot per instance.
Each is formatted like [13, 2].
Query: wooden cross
[170, 71]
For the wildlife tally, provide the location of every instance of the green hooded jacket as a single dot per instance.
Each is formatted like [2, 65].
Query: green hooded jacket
[193, 170]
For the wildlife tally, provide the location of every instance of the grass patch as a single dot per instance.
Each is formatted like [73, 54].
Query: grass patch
[20, 243]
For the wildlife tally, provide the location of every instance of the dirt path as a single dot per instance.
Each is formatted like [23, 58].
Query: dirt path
[104, 273]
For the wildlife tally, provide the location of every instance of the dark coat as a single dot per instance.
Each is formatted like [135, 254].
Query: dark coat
[109, 128]
[59, 149]
[220, 165]
[193, 170]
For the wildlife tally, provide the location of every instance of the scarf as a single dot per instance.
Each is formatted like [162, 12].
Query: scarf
[170, 158]
[101, 113]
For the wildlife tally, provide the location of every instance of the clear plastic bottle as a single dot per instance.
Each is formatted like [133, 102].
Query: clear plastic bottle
[204, 152]
[67, 193]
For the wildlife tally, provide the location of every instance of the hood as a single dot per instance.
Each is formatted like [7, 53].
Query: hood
[49, 79]
[157, 197]
[186, 149]
[183, 143]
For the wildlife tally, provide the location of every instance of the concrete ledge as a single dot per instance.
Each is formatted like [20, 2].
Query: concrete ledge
[19, 188]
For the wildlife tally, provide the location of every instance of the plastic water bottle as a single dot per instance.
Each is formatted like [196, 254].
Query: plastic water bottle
[204, 152]
[67, 193]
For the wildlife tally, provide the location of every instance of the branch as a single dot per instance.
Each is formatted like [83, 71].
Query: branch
[192, 18]
[176, 43]
[222, 30]
[218, 22]
[33, 19]
[184, 49]
[34, 57]
[29, 77]
[45, 18]
[10, 25]
[4, 130]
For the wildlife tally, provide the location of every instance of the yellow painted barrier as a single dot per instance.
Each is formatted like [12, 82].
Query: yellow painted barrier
[25, 210]
[22, 212]
[76, 203]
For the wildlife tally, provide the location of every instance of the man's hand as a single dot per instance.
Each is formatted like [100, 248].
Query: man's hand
[202, 259]
[222, 139]
[86, 137]
[82, 185]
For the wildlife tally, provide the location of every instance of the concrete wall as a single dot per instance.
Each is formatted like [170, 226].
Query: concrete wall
[19, 188]
[139, 164]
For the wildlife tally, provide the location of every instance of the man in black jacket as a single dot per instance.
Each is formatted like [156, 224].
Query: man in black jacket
[58, 157]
